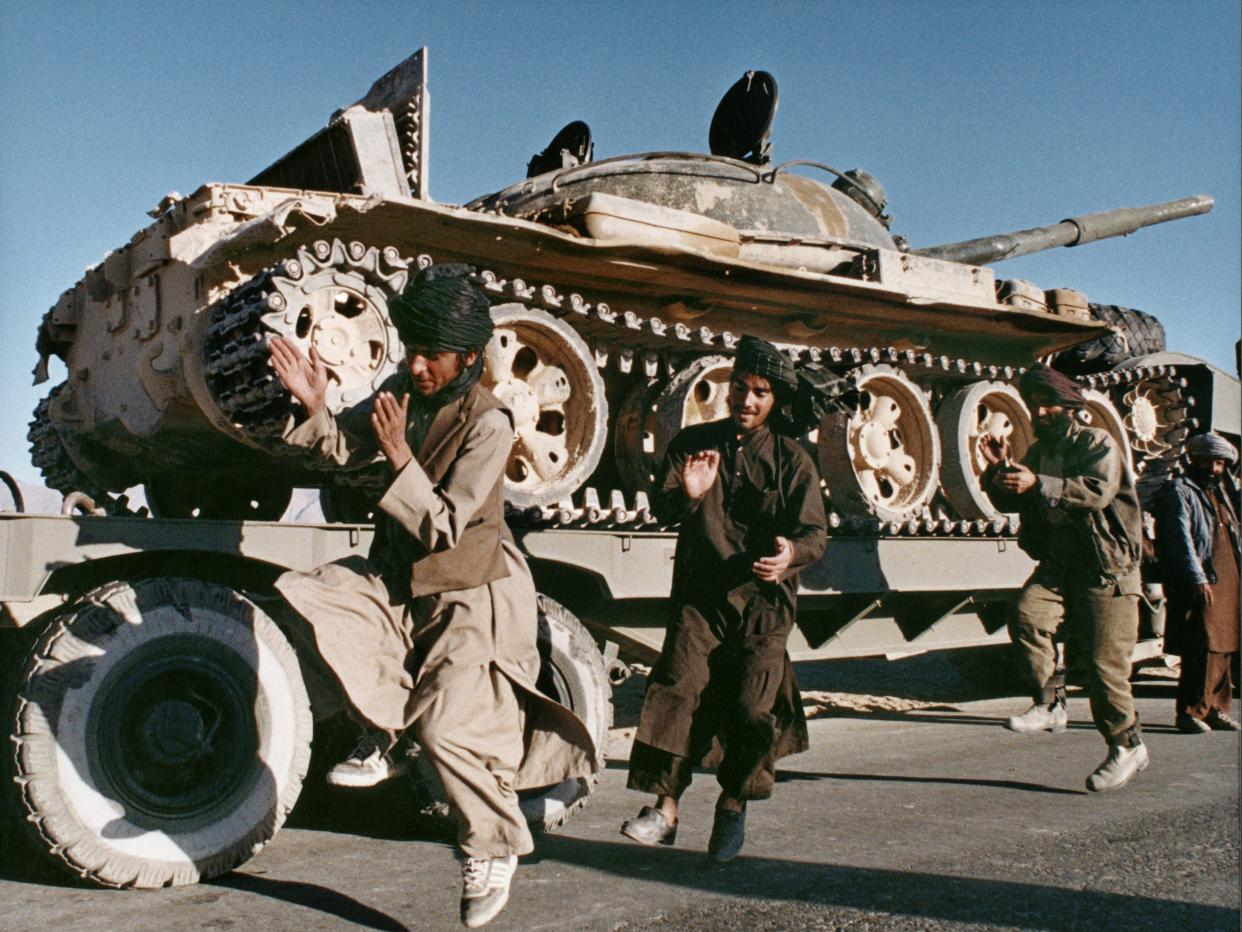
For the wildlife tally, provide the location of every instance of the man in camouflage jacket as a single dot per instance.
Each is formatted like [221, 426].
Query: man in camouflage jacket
[1082, 521]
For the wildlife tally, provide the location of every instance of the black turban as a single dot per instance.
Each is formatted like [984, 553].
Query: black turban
[443, 308]
[1061, 389]
[764, 360]
[804, 393]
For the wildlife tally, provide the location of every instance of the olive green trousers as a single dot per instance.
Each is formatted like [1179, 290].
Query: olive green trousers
[1102, 632]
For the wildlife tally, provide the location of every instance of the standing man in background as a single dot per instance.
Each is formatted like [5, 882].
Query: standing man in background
[1197, 547]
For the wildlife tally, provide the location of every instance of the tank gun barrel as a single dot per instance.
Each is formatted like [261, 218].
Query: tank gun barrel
[1071, 232]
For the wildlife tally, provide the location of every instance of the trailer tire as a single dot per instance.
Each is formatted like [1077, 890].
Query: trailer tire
[162, 731]
[572, 672]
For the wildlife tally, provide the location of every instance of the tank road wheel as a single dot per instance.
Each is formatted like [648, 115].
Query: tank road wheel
[1100, 412]
[332, 297]
[968, 418]
[572, 672]
[882, 459]
[162, 732]
[651, 416]
[546, 376]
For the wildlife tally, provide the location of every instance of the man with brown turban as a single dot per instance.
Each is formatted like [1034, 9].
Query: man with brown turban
[1081, 520]
[1197, 545]
[723, 691]
[437, 628]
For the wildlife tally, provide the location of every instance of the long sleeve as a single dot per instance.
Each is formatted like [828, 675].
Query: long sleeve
[805, 519]
[1175, 540]
[347, 440]
[1098, 472]
[436, 515]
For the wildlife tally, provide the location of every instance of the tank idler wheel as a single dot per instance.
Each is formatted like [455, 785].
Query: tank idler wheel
[545, 374]
[882, 459]
[652, 414]
[1102, 413]
[160, 735]
[966, 420]
[224, 500]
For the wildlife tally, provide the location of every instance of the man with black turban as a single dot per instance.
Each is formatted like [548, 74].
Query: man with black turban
[1081, 520]
[1197, 547]
[437, 628]
[723, 691]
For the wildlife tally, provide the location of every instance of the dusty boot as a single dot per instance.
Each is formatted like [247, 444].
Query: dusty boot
[1038, 718]
[1118, 768]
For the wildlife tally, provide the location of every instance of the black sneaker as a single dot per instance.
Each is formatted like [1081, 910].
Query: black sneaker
[728, 833]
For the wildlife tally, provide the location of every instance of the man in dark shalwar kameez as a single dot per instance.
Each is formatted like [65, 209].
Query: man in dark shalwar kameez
[751, 511]
[1197, 543]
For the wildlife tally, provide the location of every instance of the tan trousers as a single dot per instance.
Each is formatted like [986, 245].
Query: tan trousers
[1103, 634]
[472, 734]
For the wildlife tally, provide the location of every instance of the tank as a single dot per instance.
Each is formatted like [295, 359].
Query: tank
[619, 289]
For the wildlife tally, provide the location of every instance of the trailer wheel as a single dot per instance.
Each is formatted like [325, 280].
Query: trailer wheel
[161, 732]
[573, 673]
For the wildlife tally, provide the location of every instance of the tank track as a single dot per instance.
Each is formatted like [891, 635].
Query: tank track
[48, 452]
[253, 399]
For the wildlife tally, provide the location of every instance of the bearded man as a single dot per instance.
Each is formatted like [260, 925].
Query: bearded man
[1197, 546]
[1081, 520]
[437, 628]
[751, 511]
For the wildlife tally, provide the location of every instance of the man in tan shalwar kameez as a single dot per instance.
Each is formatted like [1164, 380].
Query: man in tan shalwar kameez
[437, 628]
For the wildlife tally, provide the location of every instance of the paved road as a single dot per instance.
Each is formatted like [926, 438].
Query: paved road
[913, 810]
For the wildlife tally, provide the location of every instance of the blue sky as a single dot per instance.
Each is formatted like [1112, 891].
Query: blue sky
[977, 117]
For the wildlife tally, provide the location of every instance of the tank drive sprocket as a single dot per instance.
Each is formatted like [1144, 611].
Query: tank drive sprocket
[331, 297]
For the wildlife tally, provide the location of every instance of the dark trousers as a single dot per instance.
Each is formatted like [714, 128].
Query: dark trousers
[722, 681]
[1205, 684]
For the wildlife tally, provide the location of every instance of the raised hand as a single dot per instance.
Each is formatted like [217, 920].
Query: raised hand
[306, 379]
[770, 569]
[388, 420]
[698, 473]
[995, 449]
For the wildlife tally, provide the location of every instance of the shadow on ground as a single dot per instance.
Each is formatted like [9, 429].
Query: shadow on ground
[923, 896]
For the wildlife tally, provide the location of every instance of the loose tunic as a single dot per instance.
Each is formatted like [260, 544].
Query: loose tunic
[395, 646]
[723, 689]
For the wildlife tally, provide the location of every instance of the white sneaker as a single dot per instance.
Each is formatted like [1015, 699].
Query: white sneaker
[1037, 718]
[367, 765]
[1117, 769]
[485, 888]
